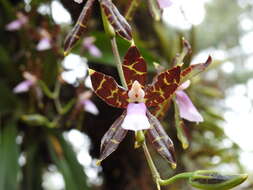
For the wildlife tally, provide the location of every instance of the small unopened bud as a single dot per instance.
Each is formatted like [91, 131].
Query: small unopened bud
[210, 180]
[35, 120]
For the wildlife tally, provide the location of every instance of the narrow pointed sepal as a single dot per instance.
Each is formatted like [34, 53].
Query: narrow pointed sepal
[79, 28]
[163, 87]
[160, 140]
[179, 123]
[134, 67]
[194, 70]
[108, 90]
[118, 22]
[112, 138]
[161, 109]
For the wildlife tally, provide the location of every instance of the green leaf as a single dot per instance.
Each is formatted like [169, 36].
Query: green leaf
[8, 101]
[33, 169]
[9, 151]
[210, 180]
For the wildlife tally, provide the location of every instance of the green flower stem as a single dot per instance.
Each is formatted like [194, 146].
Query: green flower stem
[173, 179]
[155, 174]
[118, 61]
[56, 97]
[111, 33]
[45, 89]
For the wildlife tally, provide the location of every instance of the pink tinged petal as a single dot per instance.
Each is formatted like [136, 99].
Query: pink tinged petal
[88, 43]
[44, 44]
[90, 107]
[186, 108]
[14, 25]
[184, 85]
[24, 86]
[136, 118]
[17, 24]
[164, 3]
[94, 51]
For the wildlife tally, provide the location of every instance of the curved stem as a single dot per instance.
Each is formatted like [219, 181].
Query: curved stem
[171, 180]
[151, 165]
[118, 62]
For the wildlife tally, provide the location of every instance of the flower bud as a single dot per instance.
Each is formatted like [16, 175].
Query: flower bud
[35, 120]
[204, 179]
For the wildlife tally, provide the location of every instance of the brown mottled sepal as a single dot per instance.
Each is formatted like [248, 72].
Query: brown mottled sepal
[194, 70]
[164, 85]
[108, 90]
[118, 22]
[134, 67]
[160, 140]
[112, 138]
[79, 28]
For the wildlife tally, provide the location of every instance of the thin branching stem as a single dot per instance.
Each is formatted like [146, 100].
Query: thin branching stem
[173, 179]
[155, 173]
[118, 61]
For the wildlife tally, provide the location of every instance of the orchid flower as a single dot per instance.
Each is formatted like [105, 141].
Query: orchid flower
[186, 108]
[25, 85]
[18, 23]
[45, 41]
[135, 101]
[88, 43]
[75, 68]
[88, 105]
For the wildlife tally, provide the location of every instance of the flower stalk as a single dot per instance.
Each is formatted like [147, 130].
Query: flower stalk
[154, 171]
[118, 61]
[173, 179]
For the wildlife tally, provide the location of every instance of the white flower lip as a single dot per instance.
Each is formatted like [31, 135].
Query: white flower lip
[136, 118]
